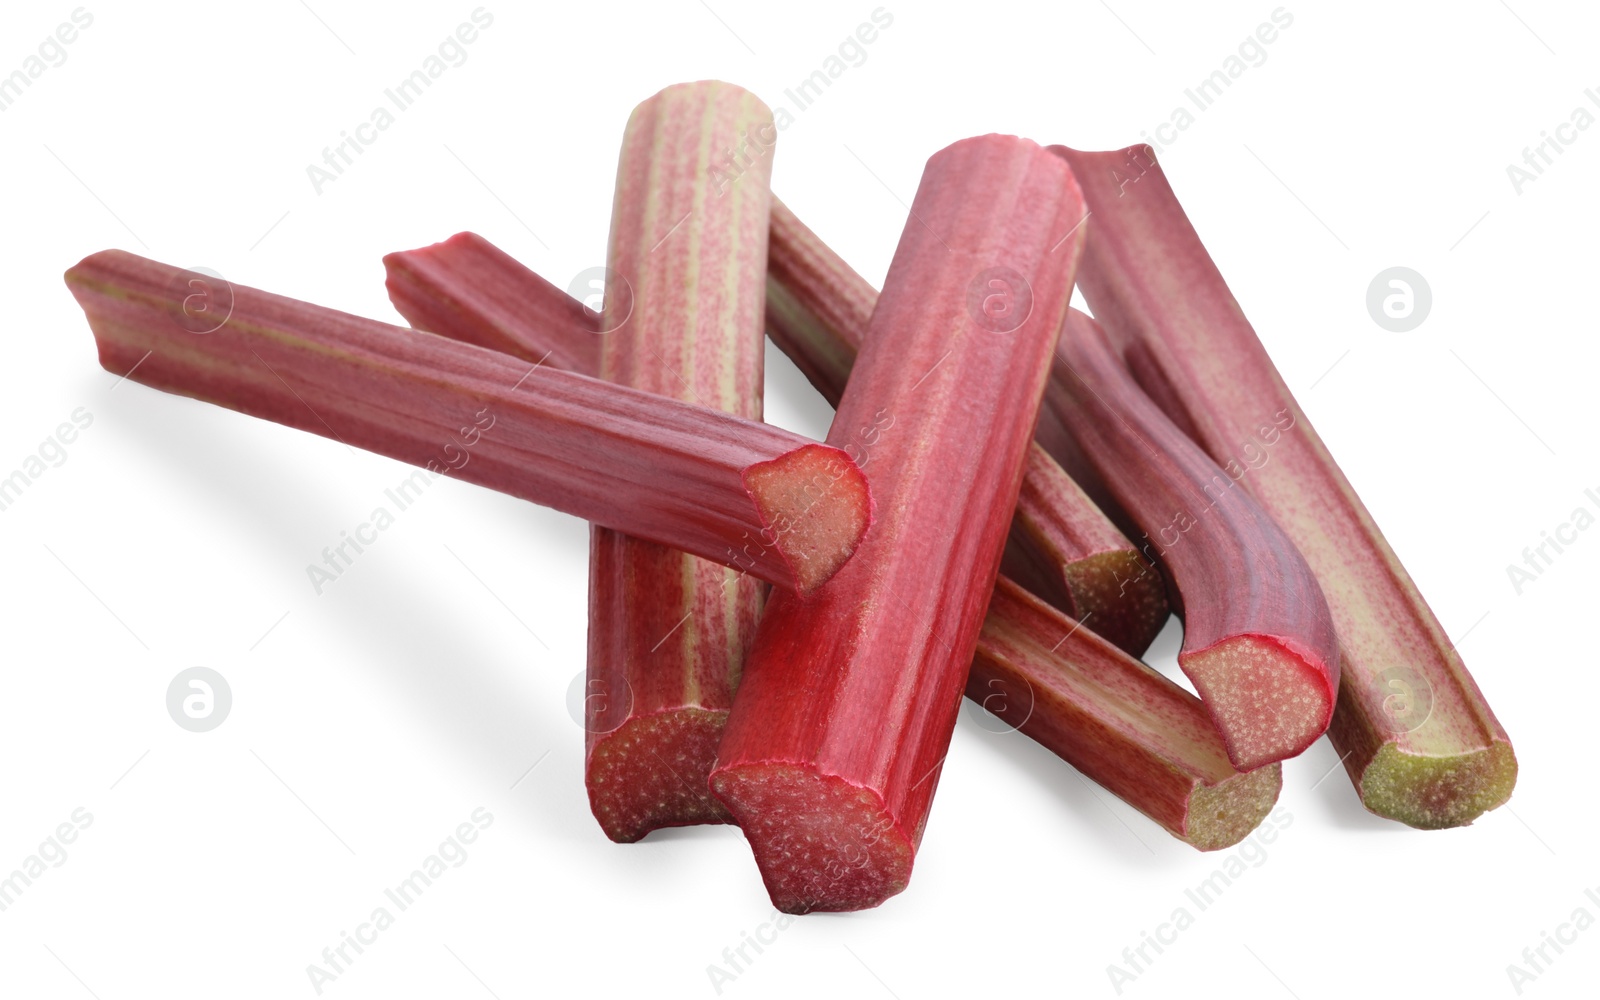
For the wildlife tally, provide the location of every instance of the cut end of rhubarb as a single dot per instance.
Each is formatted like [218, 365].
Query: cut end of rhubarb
[651, 773]
[815, 506]
[1436, 793]
[1267, 702]
[821, 842]
[1223, 814]
[1119, 596]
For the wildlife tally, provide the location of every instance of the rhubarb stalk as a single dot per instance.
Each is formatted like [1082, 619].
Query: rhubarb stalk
[1110, 716]
[665, 627]
[1061, 546]
[1257, 640]
[484, 296]
[1151, 283]
[467, 289]
[1134, 731]
[849, 695]
[785, 509]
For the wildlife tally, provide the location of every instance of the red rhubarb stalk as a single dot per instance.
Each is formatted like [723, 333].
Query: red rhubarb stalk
[1416, 734]
[785, 509]
[849, 695]
[482, 295]
[1061, 546]
[1110, 716]
[1132, 730]
[460, 287]
[668, 631]
[1257, 640]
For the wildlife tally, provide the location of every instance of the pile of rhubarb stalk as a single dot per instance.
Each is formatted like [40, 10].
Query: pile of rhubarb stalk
[1012, 498]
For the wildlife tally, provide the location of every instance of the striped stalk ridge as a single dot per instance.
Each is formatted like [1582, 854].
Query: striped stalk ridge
[682, 318]
[850, 694]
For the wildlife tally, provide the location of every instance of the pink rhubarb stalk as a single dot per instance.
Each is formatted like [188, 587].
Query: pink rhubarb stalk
[1416, 734]
[1061, 546]
[459, 288]
[482, 295]
[849, 696]
[1257, 639]
[1116, 720]
[676, 473]
[668, 631]
[1134, 731]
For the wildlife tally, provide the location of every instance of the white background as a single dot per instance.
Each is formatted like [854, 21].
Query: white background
[370, 721]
